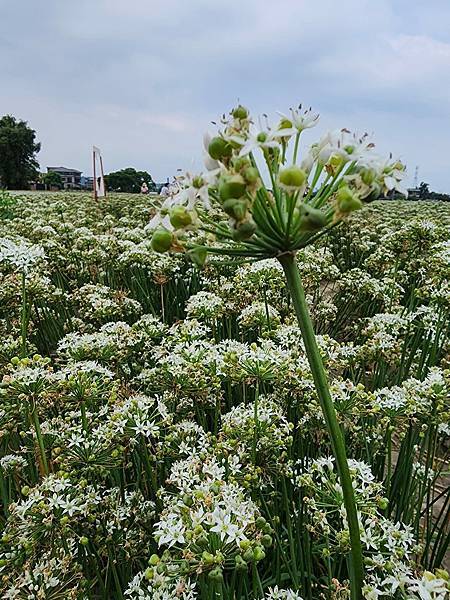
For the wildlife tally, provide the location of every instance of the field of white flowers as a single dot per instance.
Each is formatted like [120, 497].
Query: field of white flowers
[161, 436]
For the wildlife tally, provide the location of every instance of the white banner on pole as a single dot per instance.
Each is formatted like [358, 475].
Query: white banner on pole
[99, 179]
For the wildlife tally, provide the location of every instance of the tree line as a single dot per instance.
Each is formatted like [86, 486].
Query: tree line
[19, 165]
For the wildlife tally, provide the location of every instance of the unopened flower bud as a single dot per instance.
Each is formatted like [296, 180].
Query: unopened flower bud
[311, 219]
[240, 112]
[248, 555]
[216, 574]
[383, 503]
[292, 177]
[161, 240]
[232, 187]
[368, 176]
[219, 148]
[240, 162]
[251, 174]
[236, 209]
[347, 200]
[180, 217]
[258, 553]
[285, 123]
[207, 557]
[244, 231]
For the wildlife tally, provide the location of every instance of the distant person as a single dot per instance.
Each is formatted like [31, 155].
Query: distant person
[164, 190]
[144, 188]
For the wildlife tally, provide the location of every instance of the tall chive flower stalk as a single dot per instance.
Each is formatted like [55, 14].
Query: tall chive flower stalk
[22, 257]
[261, 197]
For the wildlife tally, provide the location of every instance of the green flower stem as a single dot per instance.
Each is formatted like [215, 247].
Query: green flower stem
[23, 317]
[297, 139]
[40, 440]
[297, 292]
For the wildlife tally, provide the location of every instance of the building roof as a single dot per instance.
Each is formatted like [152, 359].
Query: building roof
[63, 170]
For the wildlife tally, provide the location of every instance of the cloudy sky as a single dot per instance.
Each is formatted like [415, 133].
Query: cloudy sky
[143, 79]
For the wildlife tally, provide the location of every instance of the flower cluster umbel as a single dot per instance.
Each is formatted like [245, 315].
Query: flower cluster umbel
[308, 192]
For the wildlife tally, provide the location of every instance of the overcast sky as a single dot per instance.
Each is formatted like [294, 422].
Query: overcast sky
[143, 79]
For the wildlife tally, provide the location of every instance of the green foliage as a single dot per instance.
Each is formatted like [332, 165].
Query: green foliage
[7, 205]
[18, 146]
[52, 179]
[129, 180]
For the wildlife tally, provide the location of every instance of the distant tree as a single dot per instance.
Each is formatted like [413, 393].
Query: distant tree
[18, 147]
[129, 180]
[52, 179]
[424, 190]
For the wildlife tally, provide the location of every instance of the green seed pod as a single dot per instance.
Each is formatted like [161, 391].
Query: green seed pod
[240, 563]
[241, 162]
[237, 209]
[149, 574]
[266, 541]
[153, 560]
[84, 540]
[292, 177]
[244, 231]
[15, 360]
[368, 175]
[219, 148]
[251, 175]
[216, 574]
[161, 240]
[248, 556]
[285, 123]
[187, 500]
[383, 503]
[240, 112]
[258, 553]
[180, 217]
[207, 557]
[347, 200]
[232, 187]
[311, 219]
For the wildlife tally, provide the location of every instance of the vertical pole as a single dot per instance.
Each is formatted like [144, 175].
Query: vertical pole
[94, 182]
[103, 175]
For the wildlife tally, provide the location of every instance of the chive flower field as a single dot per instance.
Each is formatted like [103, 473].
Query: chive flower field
[165, 429]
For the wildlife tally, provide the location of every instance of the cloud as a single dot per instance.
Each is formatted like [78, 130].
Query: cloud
[144, 78]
